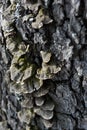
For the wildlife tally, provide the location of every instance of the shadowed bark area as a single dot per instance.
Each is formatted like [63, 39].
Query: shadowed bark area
[43, 65]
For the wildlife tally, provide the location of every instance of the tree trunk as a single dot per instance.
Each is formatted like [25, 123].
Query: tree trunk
[43, 65]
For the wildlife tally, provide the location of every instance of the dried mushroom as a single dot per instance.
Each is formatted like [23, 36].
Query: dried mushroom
[16, 75]
[25, 115]
[32, 127]
[47, 115]
[46, 56]
[21, 69]
[47, 71]
[37, 83]
[48, 105]
[27, 102]
[15, 88]
[10, 45]
[27, 86]
[28, 72]
[12, 1]
[42, 91]
[30, 86]
[28, 128]
[39, 101]
[46, 123]
[41, 19]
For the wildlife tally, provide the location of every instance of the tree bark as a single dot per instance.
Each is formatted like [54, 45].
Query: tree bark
[43, 65]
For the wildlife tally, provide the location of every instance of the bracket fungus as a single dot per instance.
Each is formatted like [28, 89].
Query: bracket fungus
[25, 115]
[31, 68]
[41, 19]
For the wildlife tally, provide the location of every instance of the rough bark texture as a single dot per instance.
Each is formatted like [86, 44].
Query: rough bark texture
[43, 64]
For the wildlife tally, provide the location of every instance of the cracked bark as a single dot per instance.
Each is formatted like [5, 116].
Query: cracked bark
[63, 33]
